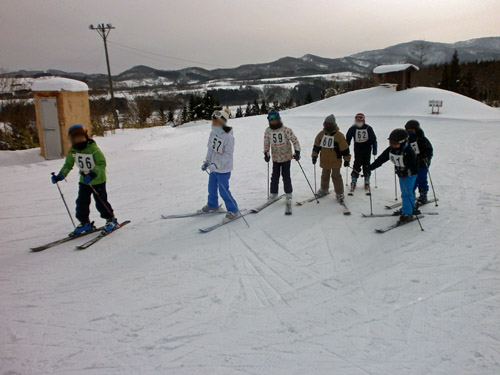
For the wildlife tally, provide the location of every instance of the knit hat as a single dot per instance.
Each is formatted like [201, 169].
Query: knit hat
[77, 129]
[222, 116]
[273, 115]
[412, 124]
[398, 135]
[330, 119]
[359, 117]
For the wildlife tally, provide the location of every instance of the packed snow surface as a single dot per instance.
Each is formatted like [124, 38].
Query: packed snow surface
[314, 293]
[58, 84]
[381, 69]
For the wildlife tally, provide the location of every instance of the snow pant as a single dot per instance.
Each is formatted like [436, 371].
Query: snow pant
[281, 169]
[361, 162]
[101, 202]
[407, 185]
[421, 182]
[219, 183]
[334, 174]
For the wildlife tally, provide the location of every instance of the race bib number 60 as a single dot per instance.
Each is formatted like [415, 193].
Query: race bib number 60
[217, 145]
[327, 142]
[85, 162]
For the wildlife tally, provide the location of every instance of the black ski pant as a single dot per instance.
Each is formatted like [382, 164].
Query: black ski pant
[281, 169]
[361, 163]
[101, 202]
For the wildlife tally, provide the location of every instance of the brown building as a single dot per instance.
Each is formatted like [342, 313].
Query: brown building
[59, 103]
[402, 76]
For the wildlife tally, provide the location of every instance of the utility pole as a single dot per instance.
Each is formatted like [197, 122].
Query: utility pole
[103, 30]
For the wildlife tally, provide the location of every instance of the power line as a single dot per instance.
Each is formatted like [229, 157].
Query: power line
[146, 56]
[166, 56]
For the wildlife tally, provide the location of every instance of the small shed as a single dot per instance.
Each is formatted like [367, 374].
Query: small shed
[401, 75]
[59, 103]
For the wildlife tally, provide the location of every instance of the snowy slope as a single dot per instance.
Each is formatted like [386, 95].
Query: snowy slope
[314, 293]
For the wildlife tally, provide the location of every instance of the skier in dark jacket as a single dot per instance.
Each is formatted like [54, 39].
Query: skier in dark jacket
[405, 166]
[365, 143]
[424, 151]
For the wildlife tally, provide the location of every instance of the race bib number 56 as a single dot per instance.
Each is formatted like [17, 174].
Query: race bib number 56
[85, 162]
[328, 142]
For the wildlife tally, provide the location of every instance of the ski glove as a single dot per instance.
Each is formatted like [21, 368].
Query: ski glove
[346, 164]
[87, 179]
[314, 159]
[204, 166]
[297, 155]
[267, 158]
[56, 178]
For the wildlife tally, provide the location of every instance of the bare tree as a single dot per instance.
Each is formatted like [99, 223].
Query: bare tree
[420, 51]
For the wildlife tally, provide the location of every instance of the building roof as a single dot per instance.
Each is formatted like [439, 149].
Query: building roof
[59, 84]
[381, 69]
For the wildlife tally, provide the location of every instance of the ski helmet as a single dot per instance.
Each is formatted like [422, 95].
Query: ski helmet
[412, 124]
[77, 129]
[273, 115]
[398, 135]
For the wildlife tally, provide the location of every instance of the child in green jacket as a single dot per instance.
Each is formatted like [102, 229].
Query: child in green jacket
[89, 159]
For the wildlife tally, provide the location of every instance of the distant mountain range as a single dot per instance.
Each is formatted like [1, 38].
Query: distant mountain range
[363, 62]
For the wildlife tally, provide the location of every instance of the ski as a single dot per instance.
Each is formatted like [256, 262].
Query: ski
[396, 205]
[101, 235]
[310, 200]
[63, 240]
[218, 225]
[346, 211]
[395, 215]
[396, 225]
[193, 214]
[267, 204]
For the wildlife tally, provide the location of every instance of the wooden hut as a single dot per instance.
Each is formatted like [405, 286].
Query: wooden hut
[59, 103]
[399, 75]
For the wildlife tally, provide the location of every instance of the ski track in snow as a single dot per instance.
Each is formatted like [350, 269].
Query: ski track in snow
[312, 293]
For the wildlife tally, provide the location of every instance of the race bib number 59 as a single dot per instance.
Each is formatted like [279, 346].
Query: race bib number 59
[278, 138]
[327, 142]
[85, 162]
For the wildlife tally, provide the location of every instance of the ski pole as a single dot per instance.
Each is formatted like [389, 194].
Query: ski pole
[232, 199]
[268, 193]
[65, 204]
[395, 188]
[346, 176]
[371, 203]
[432, 185]
[358, 172]
[375, 172]
[412, 206]
[315, 185]
[111, 215]
[315, 196]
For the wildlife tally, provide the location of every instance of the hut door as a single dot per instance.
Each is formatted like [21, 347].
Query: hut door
[50, 126]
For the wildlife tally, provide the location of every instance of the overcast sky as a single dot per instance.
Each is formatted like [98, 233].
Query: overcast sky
[43, 34]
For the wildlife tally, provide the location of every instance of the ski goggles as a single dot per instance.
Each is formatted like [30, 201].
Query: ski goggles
[359, 118]
[218, 115]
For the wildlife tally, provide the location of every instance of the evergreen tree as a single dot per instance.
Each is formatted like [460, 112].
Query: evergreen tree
[263, 108]
[170, 115]
[239, 112]
[162, 115]
[190, 110]
[185, 116]
[248, 110]
[454, 73]
[255, 108]
[309, 98]
[445, 77]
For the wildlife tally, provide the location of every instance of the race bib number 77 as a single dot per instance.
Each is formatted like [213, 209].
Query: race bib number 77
[85, 162]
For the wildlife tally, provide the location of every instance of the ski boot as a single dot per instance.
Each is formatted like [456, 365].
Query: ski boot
[340, 198]
[111, 225]
[403, 219]
[230, 216]
[353, 187]
[397, 212]
[273, 197]
[81, 229]
[422, 199]
[206, 209]
[322, 193]
[288, 208]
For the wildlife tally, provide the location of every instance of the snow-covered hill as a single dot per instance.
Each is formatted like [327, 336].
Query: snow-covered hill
[314, 293]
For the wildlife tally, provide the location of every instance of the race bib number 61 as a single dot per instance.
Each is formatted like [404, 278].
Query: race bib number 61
[397, 160]
[85, 162]
[328, 142]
